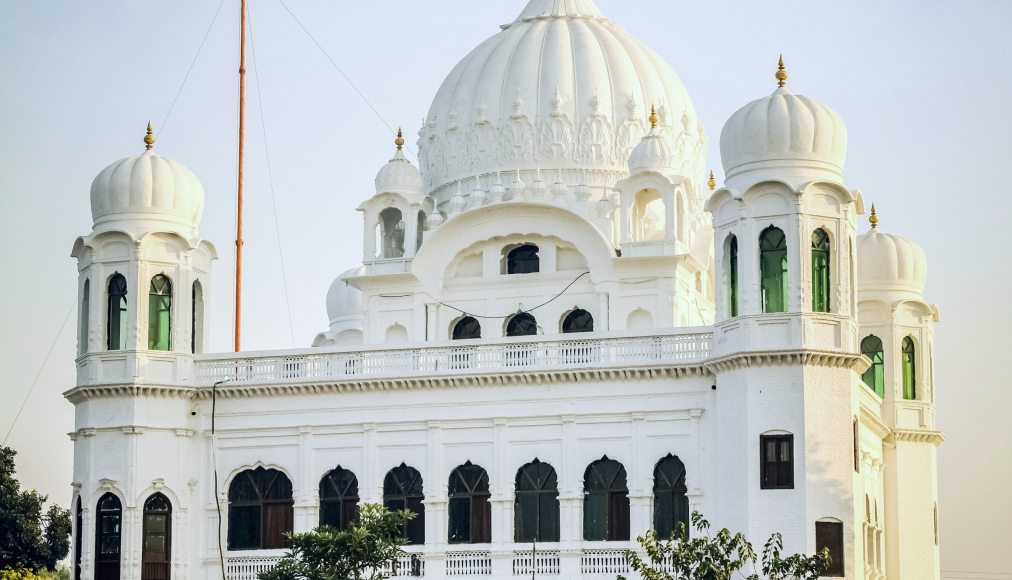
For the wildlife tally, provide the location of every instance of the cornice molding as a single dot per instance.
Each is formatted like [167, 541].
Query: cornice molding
[810, 358]
[933, 437]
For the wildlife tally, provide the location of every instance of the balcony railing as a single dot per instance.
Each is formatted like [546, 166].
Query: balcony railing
[248, 567]
[687, 346]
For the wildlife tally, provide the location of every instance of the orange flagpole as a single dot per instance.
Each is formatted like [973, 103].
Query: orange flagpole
[238, 219]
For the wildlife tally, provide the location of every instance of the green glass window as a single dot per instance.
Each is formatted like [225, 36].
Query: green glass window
[773, 269]
[116, 324]
[338, 498]
[909, 369]
[820, 271]
[732, 274]
[159, 313]
[874, 377]
[605, 501]
[536, 509]
[671, 506]
[82, 340]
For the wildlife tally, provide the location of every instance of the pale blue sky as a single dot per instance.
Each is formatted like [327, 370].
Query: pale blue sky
[924, 87]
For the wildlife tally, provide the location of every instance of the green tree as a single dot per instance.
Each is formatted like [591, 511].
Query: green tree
[29, 539]
[722, 556]
[363, 551]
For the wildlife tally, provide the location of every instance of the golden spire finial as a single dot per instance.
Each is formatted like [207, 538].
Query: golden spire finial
[399, 141]
[873, 218]
[149, 138]
[781, 75]
[653, 117]
[712, 183]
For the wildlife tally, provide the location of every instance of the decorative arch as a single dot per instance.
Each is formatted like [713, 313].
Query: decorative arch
[671, 504]
[731, 274]
[108, 536]
[908, 360]
[82, 340]
[874, 377]
[78, 533]
[640, 319]
[338, 498]
[160, 313]
[820, 270]
[605, 501]
[116, 312]
[397, 333]
[521, 324]
[156, 543]
[390, 234]
[197, 317]
[403, 490]
[521, 259]
[577, 320]
[773, 269]
[536, 507]
[260, 509]
[465, 328]
[470, 514]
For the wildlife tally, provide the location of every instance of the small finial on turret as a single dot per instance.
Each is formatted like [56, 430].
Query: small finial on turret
[149, 138]
[653, 117]
[712, 183]
[781, 75]
[399, 141]
[873, 218]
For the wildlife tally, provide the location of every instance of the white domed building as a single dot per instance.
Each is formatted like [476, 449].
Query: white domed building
[561, 334]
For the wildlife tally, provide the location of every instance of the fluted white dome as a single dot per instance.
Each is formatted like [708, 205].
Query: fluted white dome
[147, 189]
[890, 263]
[560, 88]
[784, 128]
[399, 176]
[654, 152]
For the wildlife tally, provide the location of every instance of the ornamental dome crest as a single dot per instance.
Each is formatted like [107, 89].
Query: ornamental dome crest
[559, 89]
[399, 176]
[890, 263]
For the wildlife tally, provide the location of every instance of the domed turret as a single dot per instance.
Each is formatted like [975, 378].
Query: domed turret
[147, 192]
[344, 309]
[784, 130]
[890, 263]
[399, 175]
[655, 151]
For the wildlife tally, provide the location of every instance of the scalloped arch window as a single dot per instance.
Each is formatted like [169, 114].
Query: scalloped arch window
[160, 313]
[773, 269]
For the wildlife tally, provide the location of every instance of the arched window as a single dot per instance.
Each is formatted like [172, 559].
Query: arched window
[391, 233]
[82, 339]
[909, 369]
[578, 320]
[116, 323]
[536, 511]
[773, 269]
[820, 271]
[522, 324]
[260, 510]
[639, 319]
[874, 377]
[732, 275]
[108, 534]
[649, 216]
[338, 498]
[397, 334]
[466, 328]
[78, 530]
[157, 543]
[402, 490]
[160, 313]
[420, 230]
[523, 259]
[470, 512]
[197, 319]
[671, 506]
[605, 501]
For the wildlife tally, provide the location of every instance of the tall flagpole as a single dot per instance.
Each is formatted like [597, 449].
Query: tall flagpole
[238, 219]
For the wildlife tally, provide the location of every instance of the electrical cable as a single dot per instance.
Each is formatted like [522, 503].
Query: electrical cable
[165, 120]
[39, 374]
[342, 73]
[214, 466]
[270, 177]
[519, 311]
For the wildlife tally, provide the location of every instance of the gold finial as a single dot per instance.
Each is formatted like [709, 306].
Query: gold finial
[653, 117]
[149, 138]
[781, 75]
[712, 183]
[873, 218]
[399, 141]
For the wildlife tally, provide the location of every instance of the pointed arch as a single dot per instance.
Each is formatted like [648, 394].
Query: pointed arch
[536, 507]
[260, 509]
[156, 543]
[773, 269]
[909, 358]
[731, 274]
[605, 501]
[108, 537]
[338, 498]
[116, 314]
[403, 490]
[160, 313]
[197, 318]
[671, 504]
[577, 320]
[470, 514]
[874, 377]
[820, 271]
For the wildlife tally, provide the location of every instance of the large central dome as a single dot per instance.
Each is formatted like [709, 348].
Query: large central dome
[561, 90]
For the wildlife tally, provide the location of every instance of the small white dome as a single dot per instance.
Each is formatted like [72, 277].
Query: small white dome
[399, 176]
[890, 263]
[344, 301]
[784, 128]
[654, 152]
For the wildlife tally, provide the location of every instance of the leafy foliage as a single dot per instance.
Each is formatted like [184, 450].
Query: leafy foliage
[361, 552]
[720, 556]
[29, 540]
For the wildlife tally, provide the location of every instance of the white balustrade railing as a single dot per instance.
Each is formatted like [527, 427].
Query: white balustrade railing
[468, 563]
[445, 360]
[248, 567]
[540, 563]
[407, 565]
[604, 562]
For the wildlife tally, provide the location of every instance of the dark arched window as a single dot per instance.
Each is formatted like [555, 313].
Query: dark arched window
[338, 498]
[156, 545]
[197, 318]
[671, 506]
[390, 230]
[605, 501]
[108, 535]
[820, 271]
[536, 512]
[522, 324]
[420, 230]
[773, 269]
[466, 328]
[260, 510]
[523, 260]
[874, 377]
[116, 323]
[470, 512]
[578, 320]
[732, 275]
[160, 313]
[82, 339]
[78, 531]
[909, 369]
[402, 490]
